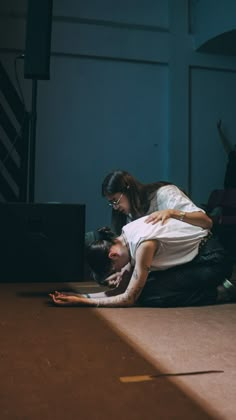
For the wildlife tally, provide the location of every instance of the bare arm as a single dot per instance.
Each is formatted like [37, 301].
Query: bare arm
[115, 279]
[117, 283]
[144, 257]
[196, 218]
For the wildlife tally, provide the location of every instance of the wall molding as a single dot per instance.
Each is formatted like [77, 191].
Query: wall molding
[90, 57]
[95, 22]
[212, 68]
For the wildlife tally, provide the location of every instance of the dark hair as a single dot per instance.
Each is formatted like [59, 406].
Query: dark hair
[138, 194]
[97, 254]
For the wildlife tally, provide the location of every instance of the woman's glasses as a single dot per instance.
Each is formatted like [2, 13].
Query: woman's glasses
[115, 203]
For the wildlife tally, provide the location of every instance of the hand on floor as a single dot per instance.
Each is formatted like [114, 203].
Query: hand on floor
[63, 299]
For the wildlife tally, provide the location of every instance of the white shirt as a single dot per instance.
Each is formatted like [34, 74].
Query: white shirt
[171, 197]
[178, 242]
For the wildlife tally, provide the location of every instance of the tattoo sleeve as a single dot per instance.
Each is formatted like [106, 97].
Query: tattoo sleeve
[144, 256]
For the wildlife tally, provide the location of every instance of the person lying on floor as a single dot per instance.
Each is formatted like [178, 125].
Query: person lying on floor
[171, 264]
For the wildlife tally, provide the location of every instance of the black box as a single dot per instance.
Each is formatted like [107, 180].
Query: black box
[42, 242]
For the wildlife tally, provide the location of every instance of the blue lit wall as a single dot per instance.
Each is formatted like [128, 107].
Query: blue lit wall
[127, 90]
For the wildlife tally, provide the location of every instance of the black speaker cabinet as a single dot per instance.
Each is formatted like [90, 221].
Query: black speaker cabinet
[42, 242]
[38, 40]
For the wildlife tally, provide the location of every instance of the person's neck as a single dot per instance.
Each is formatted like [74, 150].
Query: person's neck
[124, 242]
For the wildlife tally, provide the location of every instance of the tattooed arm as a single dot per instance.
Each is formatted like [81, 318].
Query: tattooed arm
[117, 283]
[143, 261]
[120, 277]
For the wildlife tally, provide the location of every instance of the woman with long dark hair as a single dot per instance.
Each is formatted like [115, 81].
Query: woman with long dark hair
[131, 199]
[172, 264]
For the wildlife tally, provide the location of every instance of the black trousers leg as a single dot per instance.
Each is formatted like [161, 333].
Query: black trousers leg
[191, 284]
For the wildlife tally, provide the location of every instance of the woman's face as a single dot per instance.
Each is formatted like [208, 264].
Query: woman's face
[119, 254]
[119, 201]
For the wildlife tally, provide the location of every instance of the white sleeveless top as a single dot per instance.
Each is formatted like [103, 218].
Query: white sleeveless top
[178, 242]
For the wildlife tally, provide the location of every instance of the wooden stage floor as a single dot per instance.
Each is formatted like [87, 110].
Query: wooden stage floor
[105, 363]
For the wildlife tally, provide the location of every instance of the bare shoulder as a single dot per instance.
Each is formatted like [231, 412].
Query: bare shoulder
[150, 245]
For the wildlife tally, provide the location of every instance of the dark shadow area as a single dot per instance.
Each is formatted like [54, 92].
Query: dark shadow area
[44, 290]
[43, 293]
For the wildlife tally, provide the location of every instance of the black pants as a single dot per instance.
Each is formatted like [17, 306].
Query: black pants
[191, 284]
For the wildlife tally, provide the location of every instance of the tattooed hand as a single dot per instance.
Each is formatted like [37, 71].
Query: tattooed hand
[121, 277]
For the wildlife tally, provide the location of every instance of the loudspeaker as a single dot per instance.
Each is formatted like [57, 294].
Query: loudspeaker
[42, 242]
[38, 40]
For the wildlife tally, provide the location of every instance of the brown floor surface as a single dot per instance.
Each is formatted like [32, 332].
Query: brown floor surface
[66, 363]
[187, 340]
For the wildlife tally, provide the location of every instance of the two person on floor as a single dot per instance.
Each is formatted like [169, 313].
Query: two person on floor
[159, 253]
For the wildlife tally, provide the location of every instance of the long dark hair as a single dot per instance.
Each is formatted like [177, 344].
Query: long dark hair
[97, 253]
[138, 194]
